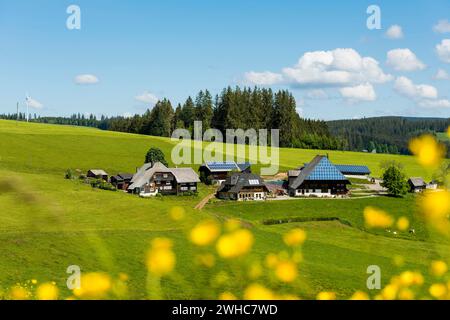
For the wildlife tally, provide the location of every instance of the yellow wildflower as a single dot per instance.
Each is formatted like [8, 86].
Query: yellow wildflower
[34, 281]
[295, 237]
[19, 293]
[286, 271]
[389, 292]
[326, 296]
[439, 268]
[227, 296]
[93, 285]
[407, 278]
[123, 277]
[376, 218]
[406, 294]
[359, 295]
[417, 279]
[438, 290]
[235, 244]
[428, 151]
[47, 291]
[258, 292]
[402, 224]
[205, 233]
[161, 259]
[436, 205]
[271, 260]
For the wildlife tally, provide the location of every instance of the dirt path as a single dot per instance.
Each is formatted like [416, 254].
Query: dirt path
[204, 201]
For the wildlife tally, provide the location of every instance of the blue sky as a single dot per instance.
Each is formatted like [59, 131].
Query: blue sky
[142, 50]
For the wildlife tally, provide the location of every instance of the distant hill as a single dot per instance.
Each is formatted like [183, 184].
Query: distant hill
[385, 134]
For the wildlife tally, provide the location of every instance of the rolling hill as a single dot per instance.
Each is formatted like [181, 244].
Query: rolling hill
[48, 223]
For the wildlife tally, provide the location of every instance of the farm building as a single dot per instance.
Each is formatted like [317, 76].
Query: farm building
[319, 178]
[353, 170]
[151, 180]
[243, 187]
[97, 174]
[121, 181]
[417, 185]
[217, 172]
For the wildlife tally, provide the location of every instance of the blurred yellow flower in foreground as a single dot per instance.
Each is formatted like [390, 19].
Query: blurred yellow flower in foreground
[438, 290]
[227, 296]
[428, 151]
[94, 285]
[258, 292]
[235, 244]
[376, 218]
[406, 294]
[177, 213]
[47, 291]
[160, 258]
[435, 207]
[34, 281]
[271, 260]
[448, 131]
[286, 271]
[19, 293]
[359, 295]
[439, 268]
[402, 224]
[295, 237]
[389, 292]
[205, 233]
[326, 296]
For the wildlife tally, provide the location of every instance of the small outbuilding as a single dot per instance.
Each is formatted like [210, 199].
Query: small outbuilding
[121, 181]
[97, 174]
[417, 185]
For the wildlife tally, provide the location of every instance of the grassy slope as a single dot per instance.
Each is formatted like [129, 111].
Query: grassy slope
[48, 223]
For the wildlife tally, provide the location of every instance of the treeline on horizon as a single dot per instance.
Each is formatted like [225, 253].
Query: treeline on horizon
[386, 134]
[261, 108]
[233, 108]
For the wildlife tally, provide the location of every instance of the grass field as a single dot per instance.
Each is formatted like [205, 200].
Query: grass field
[48, 223]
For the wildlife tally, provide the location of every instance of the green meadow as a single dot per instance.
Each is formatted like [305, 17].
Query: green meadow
[48, 223]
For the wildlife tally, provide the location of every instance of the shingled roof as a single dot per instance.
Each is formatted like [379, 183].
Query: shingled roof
[417, 182]
[319, 169]
[238, 181]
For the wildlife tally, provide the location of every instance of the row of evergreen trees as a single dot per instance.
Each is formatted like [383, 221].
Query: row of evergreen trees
[234, 109]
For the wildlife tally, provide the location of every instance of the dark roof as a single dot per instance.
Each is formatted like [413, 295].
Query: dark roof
[417, 182]
[126, 176]
[226, 166]
[353, 169]
[236, 182]
[319, 169]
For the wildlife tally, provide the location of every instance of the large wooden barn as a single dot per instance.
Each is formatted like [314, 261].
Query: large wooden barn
[319, 178]
[151, 180]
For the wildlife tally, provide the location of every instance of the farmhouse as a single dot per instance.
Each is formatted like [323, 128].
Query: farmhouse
[319, 178]
[151, 180]
[243, 187]
[417, 185]
[121, 181]
[97, 174]
[217, 172]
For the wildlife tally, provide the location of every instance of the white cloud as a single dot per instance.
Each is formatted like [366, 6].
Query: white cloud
[317, 94]
[443, 26]
[33, 103]
[407, 88]
[441, 74]
[339, 67]
[362, 92]
[86, 79]
[394, 32]
[336, 68]
[266, 78]
[442, 103]
[425, 96]
[443, 50]
[147, 97]
[404, 60]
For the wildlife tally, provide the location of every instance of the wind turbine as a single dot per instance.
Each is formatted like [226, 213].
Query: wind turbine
[27, 100]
